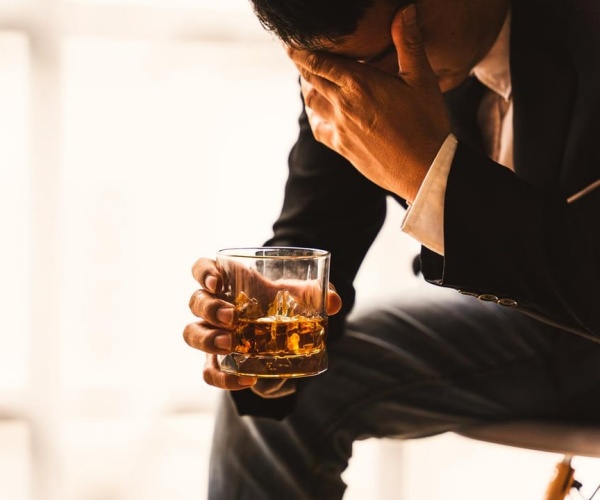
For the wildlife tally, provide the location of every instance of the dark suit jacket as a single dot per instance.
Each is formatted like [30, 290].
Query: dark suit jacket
[510, 237]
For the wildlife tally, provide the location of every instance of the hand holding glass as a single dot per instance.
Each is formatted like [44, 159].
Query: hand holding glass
[280, 299]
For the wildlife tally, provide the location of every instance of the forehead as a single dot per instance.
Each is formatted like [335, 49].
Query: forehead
[372, 37]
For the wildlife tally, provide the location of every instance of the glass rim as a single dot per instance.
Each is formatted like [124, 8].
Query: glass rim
[246, 252]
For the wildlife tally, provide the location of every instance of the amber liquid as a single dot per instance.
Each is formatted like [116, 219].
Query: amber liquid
[279, 347]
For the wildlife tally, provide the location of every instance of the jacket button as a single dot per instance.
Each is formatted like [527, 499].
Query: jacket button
[508, 302]
[487, 297]
[466, 292]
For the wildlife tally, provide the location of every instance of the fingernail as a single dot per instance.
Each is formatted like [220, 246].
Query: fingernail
[246, 381]
[225, 315]
[210, 283]
[223, 341]
[409, 15]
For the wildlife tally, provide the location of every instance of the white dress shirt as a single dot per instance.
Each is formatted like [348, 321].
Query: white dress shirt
[424, 219]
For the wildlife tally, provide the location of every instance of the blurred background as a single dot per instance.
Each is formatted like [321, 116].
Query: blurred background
[130, 133]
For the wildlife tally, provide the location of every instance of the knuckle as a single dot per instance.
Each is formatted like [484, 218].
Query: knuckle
[195, 267]
[205, 268]
[188, 335]
[194, 300]
[197, 336]
[194, 337]
[200, 267]
[309, 97]
[313, 61]
[317, 135]
[305, 86]
[207, 375]
[204, 305]
[355, 80]
[345, 104]
[213, 375]
[306, 75]
[320, 133]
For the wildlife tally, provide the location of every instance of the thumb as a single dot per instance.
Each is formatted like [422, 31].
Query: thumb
[412, 60]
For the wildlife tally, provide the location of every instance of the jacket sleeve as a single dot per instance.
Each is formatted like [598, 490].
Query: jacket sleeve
[329, 205]
[509, 242]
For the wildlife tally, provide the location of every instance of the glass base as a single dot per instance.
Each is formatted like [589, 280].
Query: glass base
[293, 366]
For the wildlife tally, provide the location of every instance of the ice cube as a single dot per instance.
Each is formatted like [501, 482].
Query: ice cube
[288, 306]
[247, 307]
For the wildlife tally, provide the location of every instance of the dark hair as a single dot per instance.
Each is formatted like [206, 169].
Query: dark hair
[311, 24]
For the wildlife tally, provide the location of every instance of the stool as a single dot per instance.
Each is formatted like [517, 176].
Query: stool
[552, 437]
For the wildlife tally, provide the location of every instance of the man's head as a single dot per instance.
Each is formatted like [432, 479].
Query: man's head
[314, 24]
[456, 33]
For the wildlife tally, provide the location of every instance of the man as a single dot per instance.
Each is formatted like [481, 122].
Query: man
[481, 117]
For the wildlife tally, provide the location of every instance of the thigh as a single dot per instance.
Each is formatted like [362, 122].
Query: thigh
[429, 362]
[434, 360]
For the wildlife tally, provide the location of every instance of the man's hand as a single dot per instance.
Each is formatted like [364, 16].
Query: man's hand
[390, 127]
[213, 334]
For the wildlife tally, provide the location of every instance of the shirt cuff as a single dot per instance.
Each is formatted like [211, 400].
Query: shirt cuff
[424, 219]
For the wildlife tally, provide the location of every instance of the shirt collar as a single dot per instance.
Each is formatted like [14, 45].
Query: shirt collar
[494, 69]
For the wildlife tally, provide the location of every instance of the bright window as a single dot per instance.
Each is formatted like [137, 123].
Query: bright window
[123, 126]
[14, 210]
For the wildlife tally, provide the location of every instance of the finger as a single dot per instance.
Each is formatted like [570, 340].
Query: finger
[315, 101]
[325, 71]
[406, 34]
[322, 130]
[215, 377]
[215, 311]
[323, 86]
[334, 302]
[205, 272]
[204, 337]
